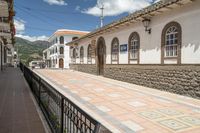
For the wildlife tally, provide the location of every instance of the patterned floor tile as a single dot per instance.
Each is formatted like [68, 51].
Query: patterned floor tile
[133, 126]
[75, 92]
[162, 100]
[66, 86]
[114, 95]
[173, 124]
[103, 108]
[151, 114]
[190, 120]
[137, 104]
[86, 98]
[170, 112]
[98, 89]
[196, 110]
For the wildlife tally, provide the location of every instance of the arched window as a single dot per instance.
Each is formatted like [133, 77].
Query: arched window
[74, 55]
[115, 50]
[89, 54]
[81, 55]
[61, 40]
[134, 46]
[171, 42]
[56, 50]
[61, 50]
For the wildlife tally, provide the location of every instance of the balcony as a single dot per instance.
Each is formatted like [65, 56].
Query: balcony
[4, 9]
[5, 33]
[4, 27]
[18, 111]
[60, 55]
[9, 53]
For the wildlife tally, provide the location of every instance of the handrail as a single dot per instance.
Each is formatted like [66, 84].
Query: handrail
[62, 115]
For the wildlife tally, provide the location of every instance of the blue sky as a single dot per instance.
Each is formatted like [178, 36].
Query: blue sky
[38, 19]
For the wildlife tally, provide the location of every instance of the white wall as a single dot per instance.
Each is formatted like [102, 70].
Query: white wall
[188, 16]
[66, 58]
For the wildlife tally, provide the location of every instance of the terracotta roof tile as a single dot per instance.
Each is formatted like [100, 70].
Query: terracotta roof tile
[133, 16]
[70, 32]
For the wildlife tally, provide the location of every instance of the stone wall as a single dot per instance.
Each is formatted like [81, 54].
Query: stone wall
[184, 80]
[179, 79]
[87, 68]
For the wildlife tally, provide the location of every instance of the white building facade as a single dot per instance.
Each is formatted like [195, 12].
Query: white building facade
[57, 55]
[146, 48]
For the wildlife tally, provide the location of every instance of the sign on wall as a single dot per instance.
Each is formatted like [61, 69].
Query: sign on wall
[123, 47]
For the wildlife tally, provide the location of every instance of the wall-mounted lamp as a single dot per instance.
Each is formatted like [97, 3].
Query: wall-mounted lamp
[146, 23]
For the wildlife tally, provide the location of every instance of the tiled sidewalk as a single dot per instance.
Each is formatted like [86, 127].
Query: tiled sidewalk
[128, 108]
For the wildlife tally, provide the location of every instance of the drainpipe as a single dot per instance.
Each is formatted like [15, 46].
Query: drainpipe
[1, 58]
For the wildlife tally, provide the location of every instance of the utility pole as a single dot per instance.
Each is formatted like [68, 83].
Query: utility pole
[102, 15]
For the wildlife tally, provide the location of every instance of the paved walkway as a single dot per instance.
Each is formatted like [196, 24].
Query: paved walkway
[127, 108]
[17, 110]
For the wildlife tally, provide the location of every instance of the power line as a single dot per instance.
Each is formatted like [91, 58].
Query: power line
[35, 16]
[54, 19]
[47, 11]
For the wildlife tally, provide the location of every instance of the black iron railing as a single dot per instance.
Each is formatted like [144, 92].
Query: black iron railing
[62, 115]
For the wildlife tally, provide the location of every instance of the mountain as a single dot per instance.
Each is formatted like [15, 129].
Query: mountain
[28, 50]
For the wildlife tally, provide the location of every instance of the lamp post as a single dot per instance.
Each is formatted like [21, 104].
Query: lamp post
[146, 23]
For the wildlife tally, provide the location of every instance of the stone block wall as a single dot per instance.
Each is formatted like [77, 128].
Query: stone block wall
[179, 79]
[184, 79]
[87, 68]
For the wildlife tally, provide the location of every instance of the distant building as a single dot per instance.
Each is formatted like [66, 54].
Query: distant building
[158, 46]
[7, 32]
[57, 55]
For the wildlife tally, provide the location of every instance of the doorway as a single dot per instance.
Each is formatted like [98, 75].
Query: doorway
[101, 55]
[61, 65]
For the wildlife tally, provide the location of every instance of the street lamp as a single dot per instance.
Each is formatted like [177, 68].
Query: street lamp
[146, 23]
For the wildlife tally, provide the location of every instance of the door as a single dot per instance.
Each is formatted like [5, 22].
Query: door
[101, 52]
[61, 63]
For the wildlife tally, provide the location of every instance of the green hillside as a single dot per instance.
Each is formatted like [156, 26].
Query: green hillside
[29, 51]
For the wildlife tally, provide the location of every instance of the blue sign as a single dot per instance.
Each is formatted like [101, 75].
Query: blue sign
[123, 48]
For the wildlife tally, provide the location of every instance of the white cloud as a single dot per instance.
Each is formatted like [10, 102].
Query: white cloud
[20, 30]
[19, 26]
[32, 38]
[56, 2]
[116, 7]
[77, 8]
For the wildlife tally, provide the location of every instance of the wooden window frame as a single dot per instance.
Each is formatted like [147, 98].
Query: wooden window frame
[179, 42]
[74, 55]
[89, 55]
[61, 51]
[62, 40]
[138, 49]
[81, 55]
[115, 40]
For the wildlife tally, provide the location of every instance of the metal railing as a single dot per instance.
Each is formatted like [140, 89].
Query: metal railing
[62, 115]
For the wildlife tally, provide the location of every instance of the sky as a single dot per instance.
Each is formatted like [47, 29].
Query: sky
[39, 19]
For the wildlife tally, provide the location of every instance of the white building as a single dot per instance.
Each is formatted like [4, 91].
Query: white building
[57, 55]
[158, 46]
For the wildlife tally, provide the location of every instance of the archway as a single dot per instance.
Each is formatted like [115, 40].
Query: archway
[61, 63]
[101, 55]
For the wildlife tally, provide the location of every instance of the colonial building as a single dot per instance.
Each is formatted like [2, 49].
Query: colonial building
[57, 55]
[158, 46]
[7, 32]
